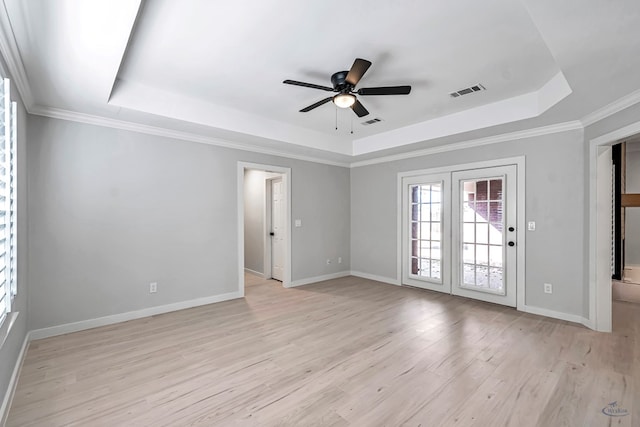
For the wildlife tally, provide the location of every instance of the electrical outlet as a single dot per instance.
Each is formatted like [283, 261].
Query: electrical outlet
[328, 261]
[548, 288]
[153, 287]
[531, 226]
[339, 260]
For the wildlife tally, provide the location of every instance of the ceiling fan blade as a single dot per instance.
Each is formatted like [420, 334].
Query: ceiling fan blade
[311, 85]
[317, 104]
[388, 90]
[359, 109]
[359, 67]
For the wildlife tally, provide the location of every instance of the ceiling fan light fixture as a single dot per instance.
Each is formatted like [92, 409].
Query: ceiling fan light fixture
[344, 100]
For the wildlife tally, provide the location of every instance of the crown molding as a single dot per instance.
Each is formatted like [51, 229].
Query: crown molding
[12, 58]
[61, 114]
[74, 116]
[612, 108]
[505, 137]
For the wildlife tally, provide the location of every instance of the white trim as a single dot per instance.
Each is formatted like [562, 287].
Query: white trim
[13, 381]
[600, 311]
[616, 135]
[465, 166]
[61, 114]
[553, 314]
[286, 179]
[521, 234]
[11, 55]
[253, 272]
[130, 315]
[7, 324]
[73, 116]
[495, 139]
[612, 108]
[376, 278]
[316, 279]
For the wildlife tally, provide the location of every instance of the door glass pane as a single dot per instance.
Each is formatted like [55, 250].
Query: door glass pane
[468, 211]
[426, 217]
[482, 225]
[469, 276]
[482, 255]
[468, 233]
[481, 210]
[495, 256]
[495, 278]
[482, 233]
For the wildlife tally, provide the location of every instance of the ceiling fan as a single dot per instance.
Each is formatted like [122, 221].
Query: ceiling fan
[344, 82]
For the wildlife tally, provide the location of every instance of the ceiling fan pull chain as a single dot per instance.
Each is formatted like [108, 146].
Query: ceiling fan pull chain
[352, 125]
[336, 118]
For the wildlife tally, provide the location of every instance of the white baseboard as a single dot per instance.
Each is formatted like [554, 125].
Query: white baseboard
[255, 273]
[131, 315]
[555, 314]
[13, 382]
[589, 323]
[376, 278]
[322, 278]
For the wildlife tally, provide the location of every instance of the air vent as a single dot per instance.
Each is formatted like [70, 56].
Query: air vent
[372, 121]
[467, 90]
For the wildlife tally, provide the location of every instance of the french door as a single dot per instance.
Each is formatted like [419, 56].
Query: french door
[427, 210]
[459, 233]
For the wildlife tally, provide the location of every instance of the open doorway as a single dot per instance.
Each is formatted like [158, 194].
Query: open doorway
[602, 239]
[626, 272]
[264, 228]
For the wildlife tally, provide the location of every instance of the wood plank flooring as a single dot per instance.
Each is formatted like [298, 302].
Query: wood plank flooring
[338, 353]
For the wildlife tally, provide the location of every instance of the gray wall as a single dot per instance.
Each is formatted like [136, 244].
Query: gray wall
[111, 211]
[10, 351]
[554, 199]
[632, 215]
[254, 192]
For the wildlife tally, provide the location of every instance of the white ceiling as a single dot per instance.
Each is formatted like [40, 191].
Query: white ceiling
[216, 68]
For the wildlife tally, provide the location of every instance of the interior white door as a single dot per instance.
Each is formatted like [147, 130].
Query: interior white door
[425, 226]
[484, 219]
[277, 229]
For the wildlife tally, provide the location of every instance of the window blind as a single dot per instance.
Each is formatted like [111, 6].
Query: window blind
[8, 135]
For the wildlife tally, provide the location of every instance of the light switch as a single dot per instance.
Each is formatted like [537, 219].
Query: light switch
[298, 223]
[531, 226]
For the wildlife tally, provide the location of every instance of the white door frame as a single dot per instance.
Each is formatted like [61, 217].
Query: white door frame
[521, 224]
[600, 304]
[286, 179]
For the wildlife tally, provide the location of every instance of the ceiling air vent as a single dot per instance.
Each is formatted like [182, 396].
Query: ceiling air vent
[372, 121]
[467, 90]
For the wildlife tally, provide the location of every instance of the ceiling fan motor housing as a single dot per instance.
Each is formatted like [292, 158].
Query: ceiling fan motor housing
[338, 80]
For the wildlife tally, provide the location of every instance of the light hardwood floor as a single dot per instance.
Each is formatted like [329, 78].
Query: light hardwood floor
[343, 352]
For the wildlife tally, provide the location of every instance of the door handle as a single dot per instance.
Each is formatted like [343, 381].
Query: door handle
[511, 243]
[272, 234]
